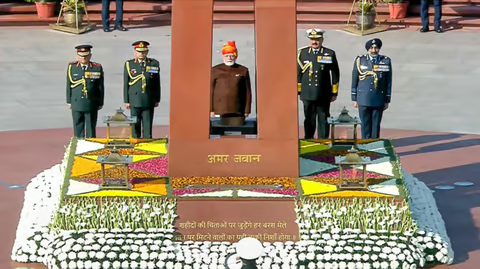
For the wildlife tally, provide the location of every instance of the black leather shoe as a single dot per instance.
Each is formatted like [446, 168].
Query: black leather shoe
[423, 30]
[439, 31]
[107, 30]
[121, 28]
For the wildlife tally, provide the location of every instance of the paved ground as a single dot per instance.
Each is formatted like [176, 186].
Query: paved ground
[434, 75]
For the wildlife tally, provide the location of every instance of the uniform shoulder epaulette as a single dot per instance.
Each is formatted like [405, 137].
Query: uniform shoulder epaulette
[304, 48]
[153, 60]
[96, 64]
[72, 63]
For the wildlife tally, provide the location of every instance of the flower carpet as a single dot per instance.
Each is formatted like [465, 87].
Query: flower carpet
[68, 222]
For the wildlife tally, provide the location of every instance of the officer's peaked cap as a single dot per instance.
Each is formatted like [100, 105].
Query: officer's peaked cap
[141, 45]
[315, 33]
[83, 50]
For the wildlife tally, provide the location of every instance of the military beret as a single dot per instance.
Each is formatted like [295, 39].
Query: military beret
[315, 33]
[377, 42]
[83, 50]
[141, 45]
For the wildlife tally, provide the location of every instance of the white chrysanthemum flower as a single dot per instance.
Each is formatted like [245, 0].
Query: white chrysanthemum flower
[351, 265]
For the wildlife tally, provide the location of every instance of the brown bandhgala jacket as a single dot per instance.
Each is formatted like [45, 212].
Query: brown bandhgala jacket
[230, 90]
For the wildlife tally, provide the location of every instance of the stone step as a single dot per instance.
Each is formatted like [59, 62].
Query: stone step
[415, 2]
[329, 12]
[129, 19]
[235, 6]
[341, 19]
[130, 6]
[334, 7]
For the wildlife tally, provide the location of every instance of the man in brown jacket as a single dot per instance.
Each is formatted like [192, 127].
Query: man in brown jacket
[230, 94]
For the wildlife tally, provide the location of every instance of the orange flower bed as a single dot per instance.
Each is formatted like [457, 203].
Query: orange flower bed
[182, 182]
[157, 187]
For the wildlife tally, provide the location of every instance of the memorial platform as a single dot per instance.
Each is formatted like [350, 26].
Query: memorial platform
[163, 215]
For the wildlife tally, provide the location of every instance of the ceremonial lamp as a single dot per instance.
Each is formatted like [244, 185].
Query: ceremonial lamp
[117, 161]
[354, 162]
[124, 126]
[344, 120]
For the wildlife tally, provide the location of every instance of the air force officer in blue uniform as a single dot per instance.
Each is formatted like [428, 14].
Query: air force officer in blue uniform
[371, 87]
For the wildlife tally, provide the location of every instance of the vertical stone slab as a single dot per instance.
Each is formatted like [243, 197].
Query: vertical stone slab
[276, 48]
[190, 149]
[190, 70]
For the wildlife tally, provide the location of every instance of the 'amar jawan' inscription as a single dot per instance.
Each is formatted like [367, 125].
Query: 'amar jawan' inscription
[228, 220]
[236, 158]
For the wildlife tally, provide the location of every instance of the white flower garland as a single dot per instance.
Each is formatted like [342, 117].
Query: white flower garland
[424, 210]
[252, 194]
[76, 187]
[319, 248]
[86, 146]
[42, 197]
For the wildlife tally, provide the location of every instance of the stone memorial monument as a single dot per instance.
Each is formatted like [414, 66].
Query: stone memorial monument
[274, 151]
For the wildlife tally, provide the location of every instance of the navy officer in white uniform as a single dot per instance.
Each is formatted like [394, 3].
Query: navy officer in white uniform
[371, 87]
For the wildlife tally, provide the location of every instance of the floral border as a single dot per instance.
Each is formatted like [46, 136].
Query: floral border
[428, 244]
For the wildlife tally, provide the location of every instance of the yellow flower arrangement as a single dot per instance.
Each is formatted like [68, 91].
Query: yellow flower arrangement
[117, 193]
[158, 187]
[336, 181]
[312, 187]
[133, 140]
[121, 151]
[159, 146]
[307, 147]
[352, 194]
[83, 166]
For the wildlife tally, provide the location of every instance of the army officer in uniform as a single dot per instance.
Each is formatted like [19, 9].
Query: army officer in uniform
[141, 88]
[371, 87]
[318, 77]
[85, 92]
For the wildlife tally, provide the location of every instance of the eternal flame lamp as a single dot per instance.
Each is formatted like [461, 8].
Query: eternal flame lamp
[341, 138]
[117, 161]
[119, 129]
[353, 171]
